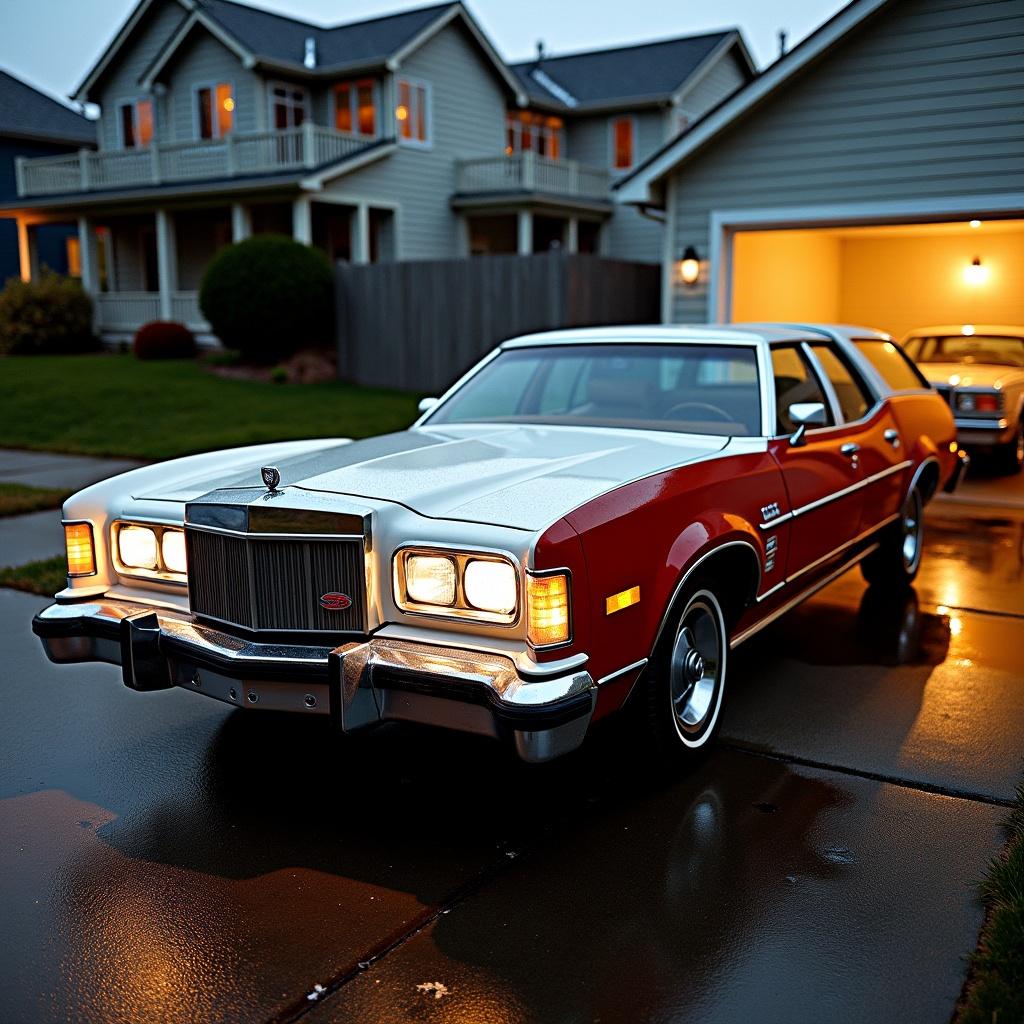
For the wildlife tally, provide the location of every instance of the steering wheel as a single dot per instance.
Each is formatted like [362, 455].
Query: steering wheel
[676, 411]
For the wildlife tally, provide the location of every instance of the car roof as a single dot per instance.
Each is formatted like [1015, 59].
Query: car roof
[848, 331]
[953, 329]
[742, 334]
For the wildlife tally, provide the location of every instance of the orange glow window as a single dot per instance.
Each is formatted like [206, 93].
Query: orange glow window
[622, 143]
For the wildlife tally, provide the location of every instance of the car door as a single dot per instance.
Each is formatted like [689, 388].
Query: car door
[874, 429]
[820, 473]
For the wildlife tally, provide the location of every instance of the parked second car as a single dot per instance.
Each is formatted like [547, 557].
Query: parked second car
[979, 370]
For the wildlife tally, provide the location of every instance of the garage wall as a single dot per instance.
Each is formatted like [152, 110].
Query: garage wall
[787, 275]
[902, 283]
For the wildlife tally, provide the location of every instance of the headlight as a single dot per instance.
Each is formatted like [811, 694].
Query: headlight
[430, 579]
[457, 584]
[149, 551]
[548, 615]
[80, 550]
[490, 586]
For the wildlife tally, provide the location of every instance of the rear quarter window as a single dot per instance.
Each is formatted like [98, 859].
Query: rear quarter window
[892, 364]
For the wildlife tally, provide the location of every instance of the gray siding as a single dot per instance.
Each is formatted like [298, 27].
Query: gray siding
[923, 101]
[722, 79]
[122, 80]
[468, 118]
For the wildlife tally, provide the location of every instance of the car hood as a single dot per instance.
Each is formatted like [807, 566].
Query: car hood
[521, 476]
[972, 375]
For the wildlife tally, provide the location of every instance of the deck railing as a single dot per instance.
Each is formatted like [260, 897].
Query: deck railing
[233, 156]
[128, 311]
[528, 172]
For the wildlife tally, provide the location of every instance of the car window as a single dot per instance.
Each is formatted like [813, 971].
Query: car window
[1000, 350]
[795, 383]
[852, 393]
[892, 364]
[699, 389]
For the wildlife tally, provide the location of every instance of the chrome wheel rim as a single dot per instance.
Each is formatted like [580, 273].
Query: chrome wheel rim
[912, 528]
[696, 670]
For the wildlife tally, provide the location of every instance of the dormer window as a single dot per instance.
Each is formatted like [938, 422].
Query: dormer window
[623, 142]
[136, 123]
[215, 110]
[355, 107]
[528, 131]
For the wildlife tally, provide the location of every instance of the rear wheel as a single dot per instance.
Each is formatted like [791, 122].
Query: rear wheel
[684, 686]
[898, 557]
[1010, 457]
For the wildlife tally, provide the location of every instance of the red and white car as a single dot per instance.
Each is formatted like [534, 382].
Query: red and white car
[587, 518]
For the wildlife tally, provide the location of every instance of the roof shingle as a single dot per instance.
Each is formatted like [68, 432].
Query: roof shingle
[27, 113]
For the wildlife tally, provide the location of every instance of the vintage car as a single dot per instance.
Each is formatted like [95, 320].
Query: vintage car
[587, 518]
[979, 370]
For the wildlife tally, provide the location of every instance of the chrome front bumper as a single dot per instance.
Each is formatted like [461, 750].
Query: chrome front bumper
[980, 432]
[357, 684]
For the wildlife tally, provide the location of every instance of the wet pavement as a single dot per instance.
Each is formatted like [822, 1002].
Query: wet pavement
[164, 859]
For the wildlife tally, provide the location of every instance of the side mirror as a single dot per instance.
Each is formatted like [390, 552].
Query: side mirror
[804, 415]
[426, 404]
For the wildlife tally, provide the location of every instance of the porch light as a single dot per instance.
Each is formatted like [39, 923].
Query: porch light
[229, 104]
[689, 266]
[975, 272]
[975, 223]
[402, 112]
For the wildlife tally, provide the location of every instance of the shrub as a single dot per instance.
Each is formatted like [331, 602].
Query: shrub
[164, 339]
[50, 315]
[267, 296]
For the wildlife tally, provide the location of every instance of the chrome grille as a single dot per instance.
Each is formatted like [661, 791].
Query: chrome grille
[274, 584]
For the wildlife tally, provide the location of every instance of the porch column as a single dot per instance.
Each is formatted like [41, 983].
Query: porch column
[241, 222]
[525, 234]
[166, 262]
[90, 261]
[361, 234]
[572, 235]
[27, 256]
[302, 220]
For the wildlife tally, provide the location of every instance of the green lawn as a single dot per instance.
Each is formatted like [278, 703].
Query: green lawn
[45, 577]
[117, 405]
[17, 499]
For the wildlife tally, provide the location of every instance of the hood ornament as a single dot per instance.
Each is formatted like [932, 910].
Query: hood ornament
[271, 477]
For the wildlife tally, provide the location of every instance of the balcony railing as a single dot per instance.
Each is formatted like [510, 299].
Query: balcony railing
[528, 172]
[127, 311]
[233, 156]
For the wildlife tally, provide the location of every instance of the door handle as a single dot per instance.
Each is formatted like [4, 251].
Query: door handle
[893, 437]
[850, 449]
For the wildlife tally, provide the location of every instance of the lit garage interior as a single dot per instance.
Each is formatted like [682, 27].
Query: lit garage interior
[895, 277]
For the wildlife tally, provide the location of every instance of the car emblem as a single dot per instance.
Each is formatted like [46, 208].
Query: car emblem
[271, 477]
[334, 602]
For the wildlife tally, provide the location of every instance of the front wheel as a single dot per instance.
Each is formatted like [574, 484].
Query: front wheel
[898, 556]
[685, 684]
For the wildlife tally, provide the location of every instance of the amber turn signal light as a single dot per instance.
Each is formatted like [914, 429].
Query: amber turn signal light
[80, 550]
[547, 603]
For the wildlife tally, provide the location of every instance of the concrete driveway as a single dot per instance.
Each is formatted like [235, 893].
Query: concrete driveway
[167, 859]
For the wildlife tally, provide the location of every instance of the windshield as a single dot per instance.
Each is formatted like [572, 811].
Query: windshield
[697, 389]
[996, 349]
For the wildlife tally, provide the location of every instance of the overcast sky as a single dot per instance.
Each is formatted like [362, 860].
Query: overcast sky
[53, 43]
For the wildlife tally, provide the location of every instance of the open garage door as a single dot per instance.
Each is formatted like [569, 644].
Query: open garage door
[894, 277]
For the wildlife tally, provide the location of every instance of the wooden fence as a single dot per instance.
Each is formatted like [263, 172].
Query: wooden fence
[419, 325]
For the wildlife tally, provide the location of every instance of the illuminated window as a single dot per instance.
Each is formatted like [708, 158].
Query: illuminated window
[526, 130]
[289, 105]
[215, 110]
[623, 142]
[136, 124]
[355, 107]
[74, 253]
[412, 113]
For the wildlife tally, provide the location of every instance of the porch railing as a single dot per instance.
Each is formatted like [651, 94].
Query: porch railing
[528, 172]
[128, 311]
[307, 147]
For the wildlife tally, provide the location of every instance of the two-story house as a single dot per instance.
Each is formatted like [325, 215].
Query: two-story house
[33, 124]
[396, 138]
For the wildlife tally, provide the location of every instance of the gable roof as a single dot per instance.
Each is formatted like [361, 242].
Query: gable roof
[262, 38]
[625, 75]
[27, 113]
[639, 186]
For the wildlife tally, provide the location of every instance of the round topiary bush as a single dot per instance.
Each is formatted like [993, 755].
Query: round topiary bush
[50, 315]
[267, 296]
[164, 339]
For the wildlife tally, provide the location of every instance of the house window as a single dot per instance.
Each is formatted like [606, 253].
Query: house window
[412, 113]
[355, 107]
[526, 130]
[289, 105]
[623, 143]
[215, 110]
[136, 124]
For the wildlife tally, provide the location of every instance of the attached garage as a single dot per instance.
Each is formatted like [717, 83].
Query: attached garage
[875, 174]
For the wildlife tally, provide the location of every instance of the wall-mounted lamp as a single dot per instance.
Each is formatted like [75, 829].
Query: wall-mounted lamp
[689, 266]
[975, 272]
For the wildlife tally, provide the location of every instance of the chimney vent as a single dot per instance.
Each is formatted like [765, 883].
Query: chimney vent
[782, 42]
[310, 59]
